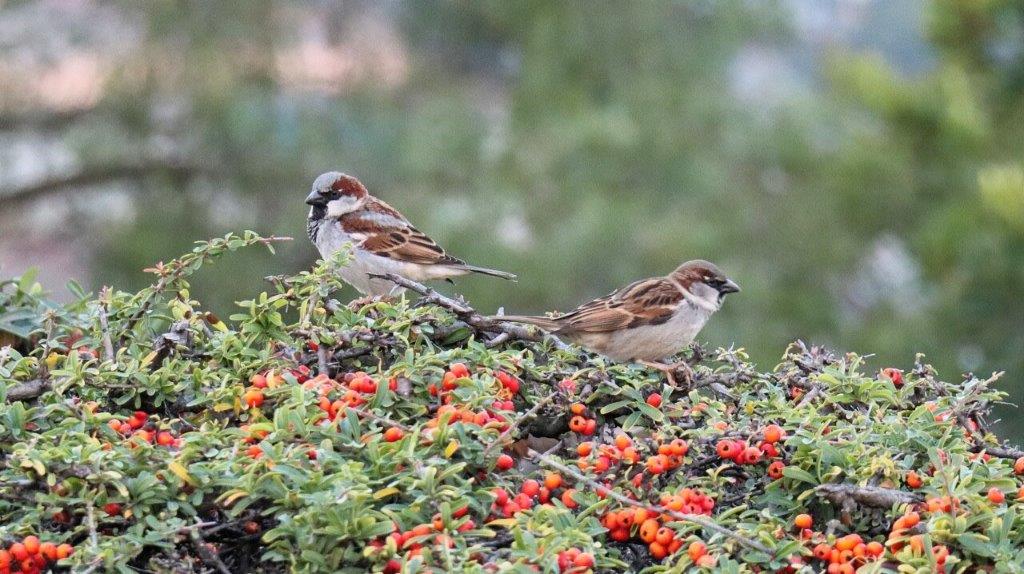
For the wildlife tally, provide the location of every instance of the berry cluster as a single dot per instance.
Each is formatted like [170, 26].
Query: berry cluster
[30, 556]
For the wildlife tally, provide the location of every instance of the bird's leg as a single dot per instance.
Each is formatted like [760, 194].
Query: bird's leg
[670, 371]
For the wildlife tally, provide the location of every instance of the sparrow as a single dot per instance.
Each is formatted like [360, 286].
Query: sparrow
[383, 241]
[645, 321]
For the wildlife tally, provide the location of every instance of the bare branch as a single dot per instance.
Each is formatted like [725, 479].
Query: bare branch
[100, 175]
[844, 495]
[28, 390]
[469, 315]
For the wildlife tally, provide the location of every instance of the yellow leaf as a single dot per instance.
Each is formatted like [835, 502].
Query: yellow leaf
[148, 359]
[179, 469]
[231, 498]
[385, 492]
[451, 448]
[503, 522]
[221, 407]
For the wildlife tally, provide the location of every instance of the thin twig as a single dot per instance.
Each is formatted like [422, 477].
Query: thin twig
[518, 421]
[468, 314]
[699, 520]
[206, 555]
[380, 419]
[108, 345]
[999, 451]
[90, 520]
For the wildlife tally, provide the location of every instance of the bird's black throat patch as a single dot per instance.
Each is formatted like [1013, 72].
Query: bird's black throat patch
[316, 217]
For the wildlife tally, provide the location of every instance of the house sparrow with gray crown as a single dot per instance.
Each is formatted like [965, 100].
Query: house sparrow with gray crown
[646, 321]
[383, 241]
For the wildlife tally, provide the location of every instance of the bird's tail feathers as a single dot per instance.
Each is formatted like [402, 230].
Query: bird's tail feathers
[546, 323]
[491, 272]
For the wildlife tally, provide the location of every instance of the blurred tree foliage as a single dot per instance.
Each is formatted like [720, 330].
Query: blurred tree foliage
[586, 144]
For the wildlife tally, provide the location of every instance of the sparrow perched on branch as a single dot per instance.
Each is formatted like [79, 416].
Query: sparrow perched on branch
[383, 241]
[646, 321]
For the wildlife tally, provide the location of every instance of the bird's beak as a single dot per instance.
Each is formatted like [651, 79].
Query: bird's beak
[314, 198]
[729, 287]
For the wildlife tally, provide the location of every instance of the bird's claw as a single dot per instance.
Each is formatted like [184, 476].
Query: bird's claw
[670, 371]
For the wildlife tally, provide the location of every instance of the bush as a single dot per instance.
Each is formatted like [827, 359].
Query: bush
[304, 435]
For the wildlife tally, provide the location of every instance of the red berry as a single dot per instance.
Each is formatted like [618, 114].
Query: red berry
[894, 375]
[505, 462]
[112, 508]
[393, 434]
[654, 399]
[530, 488]
[750, 455]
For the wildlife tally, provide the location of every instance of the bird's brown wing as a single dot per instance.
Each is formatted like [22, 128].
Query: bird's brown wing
[381, 230]
[646, 302]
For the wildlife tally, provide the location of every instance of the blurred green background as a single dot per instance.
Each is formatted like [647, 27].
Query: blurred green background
[856, 165]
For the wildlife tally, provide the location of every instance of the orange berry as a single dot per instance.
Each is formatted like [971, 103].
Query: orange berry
[1018, 466]
[18, 551]
[164, 438]
[679, 447]
[848, 542]
[584, 448]
[911, 519]
[658, 550]
[696, 550]
[48, 550]
[803, 521]
[393, 434]
[772, 433]
[822, 551]
[649, 530]
[622, 441]
[253, 398]
[914, 480]
[583, 560]
[31, 544]
[996, 496]
[875, 549]
[577, 424]
[553, 480]
[63, 551]
[567, 498]
[578, 408]
[657, 464]
[664, 536]
[624, 519]
[728, 449]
